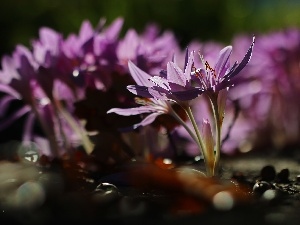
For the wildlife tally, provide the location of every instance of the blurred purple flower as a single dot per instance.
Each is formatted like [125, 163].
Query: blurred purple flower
[268, 90]
[150, 51]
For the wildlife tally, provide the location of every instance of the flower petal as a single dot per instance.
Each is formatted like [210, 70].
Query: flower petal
[161, 82]
[188, 66]
[139, 90]
[208, 143]
[112, 32]
[18, 114]
[159, 93]
[140, 77]
[244, 61]
[223, 61]
[175, 74]
[188, 94]
[131, 111]
[148, 120]
[5, 103]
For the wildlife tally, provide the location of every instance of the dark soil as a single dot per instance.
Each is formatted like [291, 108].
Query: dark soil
[272, 189]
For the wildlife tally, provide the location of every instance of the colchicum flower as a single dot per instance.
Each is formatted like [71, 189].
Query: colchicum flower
[177, 85]
[149, 105]
[172, 84]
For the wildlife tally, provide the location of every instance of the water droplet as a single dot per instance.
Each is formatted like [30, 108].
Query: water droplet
[106, 187]
[105, 193]
[261, 186]
[269, 194]
[29, 195]
[28, 152]
[223, 201]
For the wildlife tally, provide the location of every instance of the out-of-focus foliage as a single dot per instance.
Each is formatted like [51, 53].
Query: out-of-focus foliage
[219, 20]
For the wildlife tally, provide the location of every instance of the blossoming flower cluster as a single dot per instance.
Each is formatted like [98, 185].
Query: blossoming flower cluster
[175, 85]
[55, 73]
[67, 86]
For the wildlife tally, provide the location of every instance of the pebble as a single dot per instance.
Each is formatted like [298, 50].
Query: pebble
[283, 176]
[261, 186]
[268, 173]
[239, 176]
[298, 178]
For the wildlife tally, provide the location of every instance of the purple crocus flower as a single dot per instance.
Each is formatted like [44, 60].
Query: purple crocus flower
[151, 106]
[172, 84]
[214, 79]
[149, 51]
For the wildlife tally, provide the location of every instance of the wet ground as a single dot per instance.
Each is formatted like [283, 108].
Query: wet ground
[270, 195]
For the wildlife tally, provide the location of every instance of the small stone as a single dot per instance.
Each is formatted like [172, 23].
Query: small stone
[269, 195]
[238, 176]
[268, 173]
[261, 186]
[283, 176]
[298, 178]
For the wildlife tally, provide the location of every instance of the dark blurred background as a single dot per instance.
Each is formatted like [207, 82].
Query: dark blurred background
[217, 20]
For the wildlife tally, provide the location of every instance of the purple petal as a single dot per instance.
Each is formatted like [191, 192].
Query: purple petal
[161, 82]
[186, 58]
[223, 61]
[148, 120]
[208, 141]
[159, 93]
[4, 104]
[18, 114]
[244, 62]
[8, 90]
[86, 31]
[112, 32]
[175, 74]
[131, 111]
[188, 94]
[188, 66]
[140, 77]
[127, 48]
[222, 97]
[139, 90]
[8, 70]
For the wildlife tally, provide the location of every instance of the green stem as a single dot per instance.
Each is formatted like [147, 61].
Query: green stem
[218, 123]
[180, 121]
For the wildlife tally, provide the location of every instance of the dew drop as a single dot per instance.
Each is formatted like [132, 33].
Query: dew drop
[28, 152]
[223, 201]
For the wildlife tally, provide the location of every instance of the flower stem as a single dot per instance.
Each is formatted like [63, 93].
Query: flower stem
[202, 147]
[218, 123]
[87, 144]
[181, 122]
